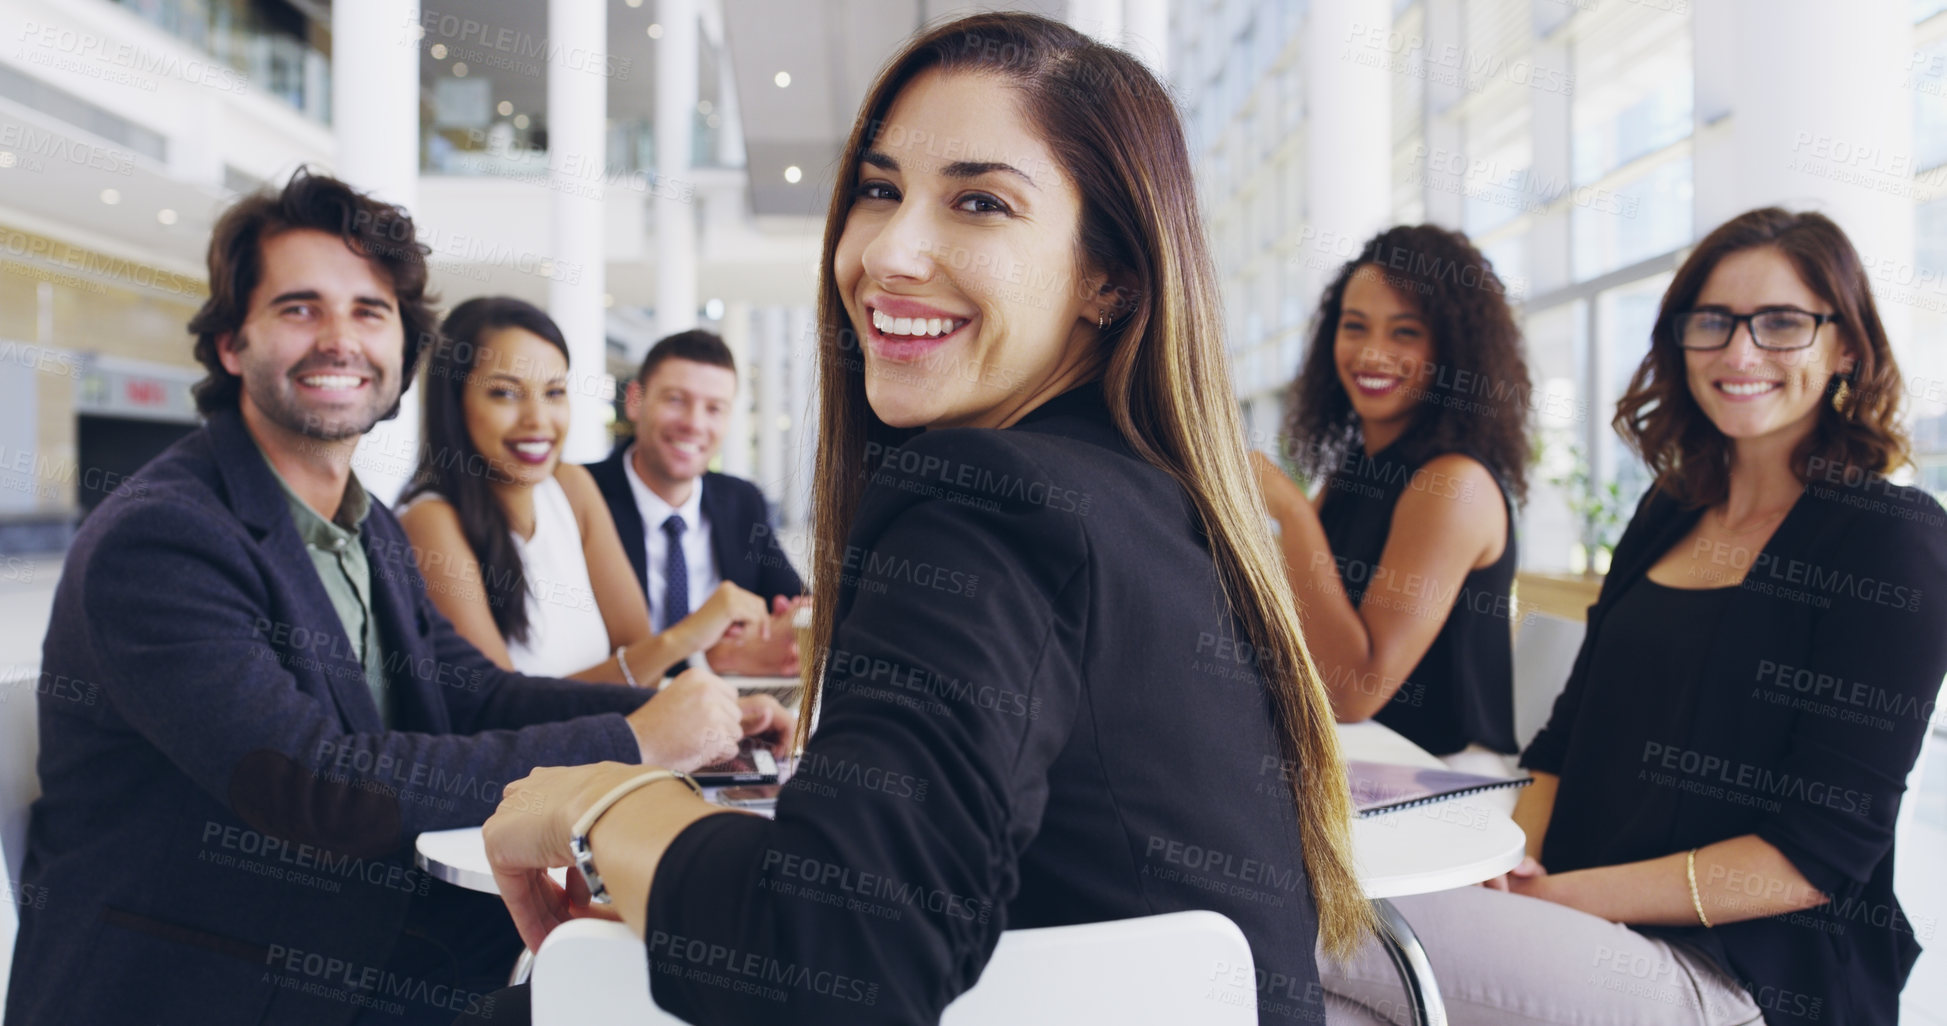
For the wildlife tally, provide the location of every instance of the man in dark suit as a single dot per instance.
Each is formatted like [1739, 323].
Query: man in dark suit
[688, 530]
[262, 709]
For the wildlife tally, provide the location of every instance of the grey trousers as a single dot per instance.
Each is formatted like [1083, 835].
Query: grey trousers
[1509, 960]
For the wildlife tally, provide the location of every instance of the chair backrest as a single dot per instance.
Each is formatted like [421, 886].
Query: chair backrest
[1183, 967]
[19, 786]
[1544, 652]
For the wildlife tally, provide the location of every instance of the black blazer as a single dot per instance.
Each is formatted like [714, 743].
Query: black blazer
[1037, 712]
[219, 791]
[1816, 694]
[741, 534]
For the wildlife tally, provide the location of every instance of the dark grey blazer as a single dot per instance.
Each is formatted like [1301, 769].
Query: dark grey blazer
[226, 823]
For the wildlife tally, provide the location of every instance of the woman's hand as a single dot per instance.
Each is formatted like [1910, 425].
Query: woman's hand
[728, 609]
[694, 721]
[1280, 492]
[745, 653]
[1522, 879]
[528, 835]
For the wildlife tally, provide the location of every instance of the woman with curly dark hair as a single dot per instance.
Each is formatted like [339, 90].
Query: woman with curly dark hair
[1412, 409]
[1710, 830]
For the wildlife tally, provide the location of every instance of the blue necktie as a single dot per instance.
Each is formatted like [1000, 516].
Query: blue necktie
[676, 573]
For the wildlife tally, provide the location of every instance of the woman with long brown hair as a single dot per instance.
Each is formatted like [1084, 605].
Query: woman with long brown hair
[1710, 830]
[1061, 665]
[1411, 410]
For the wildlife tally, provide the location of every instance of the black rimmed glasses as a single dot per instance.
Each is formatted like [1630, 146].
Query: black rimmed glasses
[1777, 328]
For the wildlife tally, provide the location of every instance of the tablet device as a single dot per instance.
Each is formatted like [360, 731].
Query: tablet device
[753, 764]
[755, 797]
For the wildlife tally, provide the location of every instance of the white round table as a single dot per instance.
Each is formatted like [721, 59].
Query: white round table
[1437, 847]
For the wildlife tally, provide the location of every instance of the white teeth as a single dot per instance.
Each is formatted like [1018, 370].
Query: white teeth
[330, 381]
[1752, 388]
[1372, 381]
[533, 448]
[918, 327]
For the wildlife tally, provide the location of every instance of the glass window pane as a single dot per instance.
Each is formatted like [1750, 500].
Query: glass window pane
[1928, 81]
[1549, 529]
[1624, 317]
[1633, 93]
[1635, 220]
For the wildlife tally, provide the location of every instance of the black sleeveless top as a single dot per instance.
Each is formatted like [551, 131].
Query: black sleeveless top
[1462, 691]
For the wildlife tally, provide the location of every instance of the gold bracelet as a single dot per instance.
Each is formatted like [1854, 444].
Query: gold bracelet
[1690, 868]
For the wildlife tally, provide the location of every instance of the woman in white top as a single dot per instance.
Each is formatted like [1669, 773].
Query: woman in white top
[517, 547]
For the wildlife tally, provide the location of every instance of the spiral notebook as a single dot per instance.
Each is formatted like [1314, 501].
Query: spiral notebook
[1385, 787]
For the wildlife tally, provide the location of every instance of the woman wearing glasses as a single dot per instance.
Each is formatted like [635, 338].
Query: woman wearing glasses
[1711, 828]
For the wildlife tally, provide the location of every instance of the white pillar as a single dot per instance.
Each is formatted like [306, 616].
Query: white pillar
[577, 159]
[736, 434]
[1819, 120]
[772, 338]
[1099, 19]
[1442, 185]
[800, 372]
[676, 71]
[1348, 109]
[1146, 33]
[730, 114]
[375, 47]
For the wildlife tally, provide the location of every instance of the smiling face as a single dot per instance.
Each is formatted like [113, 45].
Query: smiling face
[679, 416]
[321, 347]
[1751, 393]
[516, 403]
[1379, 349]
[958, 264]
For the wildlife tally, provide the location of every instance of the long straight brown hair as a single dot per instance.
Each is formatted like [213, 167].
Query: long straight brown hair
[1114, 131]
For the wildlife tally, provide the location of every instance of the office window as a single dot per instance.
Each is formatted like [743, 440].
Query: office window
[1615, 225]
[1927, 78]
[1498, 186]
[1624, 317]
[1633, 91]
[1409, 127]
[1555, 339]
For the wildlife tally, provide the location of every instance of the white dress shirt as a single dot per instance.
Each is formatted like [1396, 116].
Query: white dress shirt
[698, 555]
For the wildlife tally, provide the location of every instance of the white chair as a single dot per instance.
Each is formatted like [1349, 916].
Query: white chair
[1544, 652]
[1183, 967]
[19, 786]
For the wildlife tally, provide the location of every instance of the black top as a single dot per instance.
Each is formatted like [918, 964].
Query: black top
[1804, 715]
[1037, 713]
[1644, 681]
[1462, 691]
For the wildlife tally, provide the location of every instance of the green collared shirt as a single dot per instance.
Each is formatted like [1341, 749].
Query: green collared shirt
[346, 574]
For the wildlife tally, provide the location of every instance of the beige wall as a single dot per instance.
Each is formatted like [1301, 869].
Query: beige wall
[101, 304]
